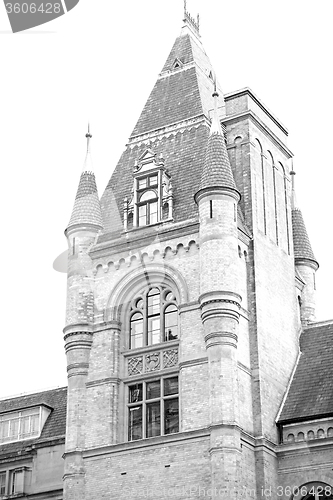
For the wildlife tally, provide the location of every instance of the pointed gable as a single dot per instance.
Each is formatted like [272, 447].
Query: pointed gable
[175, 122]
[179, 95]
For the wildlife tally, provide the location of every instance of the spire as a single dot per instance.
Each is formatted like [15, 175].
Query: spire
[87, 209]
[217, 173]
[302, 246]
[88, 164]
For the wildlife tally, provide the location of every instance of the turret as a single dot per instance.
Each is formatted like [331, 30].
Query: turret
[83, 228]
[305, 261]
[217, 200]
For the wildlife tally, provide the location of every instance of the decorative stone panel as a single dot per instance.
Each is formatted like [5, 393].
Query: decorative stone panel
[152, 361]
[135, 365]
[170, 358]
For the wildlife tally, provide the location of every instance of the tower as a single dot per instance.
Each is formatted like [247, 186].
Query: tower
[305, 262]
[182, 330]
[84, 225]
[220, 301]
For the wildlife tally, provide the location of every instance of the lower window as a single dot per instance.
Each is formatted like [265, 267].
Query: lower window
[153, 408]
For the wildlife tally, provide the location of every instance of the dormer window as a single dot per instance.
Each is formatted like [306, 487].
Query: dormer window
[23, 424]
[151, 201]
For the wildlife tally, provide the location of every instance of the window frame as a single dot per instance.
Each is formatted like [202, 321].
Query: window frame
[140, 191]
[19, 417]
[145, 402]
[164, 303]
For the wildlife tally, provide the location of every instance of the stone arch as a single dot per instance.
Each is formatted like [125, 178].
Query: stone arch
[314, 480]
[132, 282]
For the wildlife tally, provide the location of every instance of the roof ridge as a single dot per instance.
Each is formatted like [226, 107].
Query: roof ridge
[34, 393]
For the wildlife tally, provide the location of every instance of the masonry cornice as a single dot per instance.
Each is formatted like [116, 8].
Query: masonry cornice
[103, 381]
[154, 442]
[261, 125]
[126, 243]
[165, 132]
[247, 91]
[192, 362]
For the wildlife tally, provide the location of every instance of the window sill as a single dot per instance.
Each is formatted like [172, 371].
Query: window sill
[151, 348]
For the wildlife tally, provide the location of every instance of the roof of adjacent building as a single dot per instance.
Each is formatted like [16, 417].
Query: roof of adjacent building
[302, 245]
[55, 425]
[310, 394]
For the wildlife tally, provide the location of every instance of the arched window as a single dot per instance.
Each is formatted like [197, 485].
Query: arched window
[153, 317]
[148, 207]
[136, 330]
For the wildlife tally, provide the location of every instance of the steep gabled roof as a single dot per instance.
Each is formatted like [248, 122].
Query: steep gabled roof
[55, 425]
[179, 93]
[175, 122]
[311, 391]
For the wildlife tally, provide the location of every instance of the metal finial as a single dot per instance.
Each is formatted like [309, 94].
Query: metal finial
[88, 136]
[215, 93]
[185, 7]
[198, 21]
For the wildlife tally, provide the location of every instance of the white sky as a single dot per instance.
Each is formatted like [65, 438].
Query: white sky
[100, 62]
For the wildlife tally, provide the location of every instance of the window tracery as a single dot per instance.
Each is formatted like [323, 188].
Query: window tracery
[153, 317]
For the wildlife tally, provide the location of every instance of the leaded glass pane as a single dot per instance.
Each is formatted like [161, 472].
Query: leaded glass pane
[136, 331]
[135, 393]
[171, 416]
[142, 183]
[153, 389]
[153, 213]
[143, 215]
[135, 423]
[171, 323]
[153, 302]
[153, 180]
[153, 419]
[170, 386]
[154, 330]
[147, 195]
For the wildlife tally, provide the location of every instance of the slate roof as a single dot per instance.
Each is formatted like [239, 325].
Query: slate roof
[217, 170]
[87, 209]
[177, 96]
[302, 245]
[311, 391]
[55, 425]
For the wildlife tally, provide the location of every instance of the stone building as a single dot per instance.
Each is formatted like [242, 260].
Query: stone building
[195, 365]
[32, 443]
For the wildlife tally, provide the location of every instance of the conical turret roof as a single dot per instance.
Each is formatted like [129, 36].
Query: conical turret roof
[217, 173]
[302, 246]
[87, 208]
